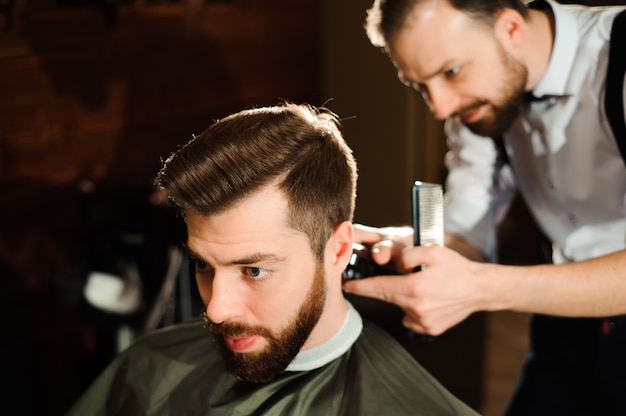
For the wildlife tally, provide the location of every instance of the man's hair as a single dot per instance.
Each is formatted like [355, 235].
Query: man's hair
[297, 147]
[386, 18]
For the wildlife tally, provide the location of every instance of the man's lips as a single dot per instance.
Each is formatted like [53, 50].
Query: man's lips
[240, 343]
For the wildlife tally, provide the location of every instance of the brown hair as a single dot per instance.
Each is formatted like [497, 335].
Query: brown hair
[299, 147]
[386, 18]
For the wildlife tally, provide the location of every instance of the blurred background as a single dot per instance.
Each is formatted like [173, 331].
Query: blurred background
[95, 93]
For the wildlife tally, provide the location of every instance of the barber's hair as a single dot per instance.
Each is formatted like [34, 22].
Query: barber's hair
[386, 18]
[299, 148]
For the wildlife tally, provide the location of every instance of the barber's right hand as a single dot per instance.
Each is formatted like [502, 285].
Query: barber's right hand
[446, 290]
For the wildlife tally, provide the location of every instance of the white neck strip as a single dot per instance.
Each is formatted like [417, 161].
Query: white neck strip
[333, 348]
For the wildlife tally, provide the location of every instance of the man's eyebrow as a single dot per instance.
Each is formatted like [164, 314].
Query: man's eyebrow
[442, 69]
[190, 253]
[250, 259]
[259, 257]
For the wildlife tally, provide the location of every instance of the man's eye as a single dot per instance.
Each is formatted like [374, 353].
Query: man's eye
[200, 266]
[255, 272]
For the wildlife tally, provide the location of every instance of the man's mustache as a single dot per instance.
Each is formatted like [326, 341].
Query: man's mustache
[237, 329]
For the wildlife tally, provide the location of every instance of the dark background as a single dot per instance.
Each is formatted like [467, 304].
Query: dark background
[93, 94]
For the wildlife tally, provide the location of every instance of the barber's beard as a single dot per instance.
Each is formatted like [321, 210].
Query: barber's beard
[260, 367]
[513, 91]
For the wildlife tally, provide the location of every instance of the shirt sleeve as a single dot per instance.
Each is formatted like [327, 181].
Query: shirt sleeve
[479, 188]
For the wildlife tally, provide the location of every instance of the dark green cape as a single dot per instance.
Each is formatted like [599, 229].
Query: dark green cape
[179, 371]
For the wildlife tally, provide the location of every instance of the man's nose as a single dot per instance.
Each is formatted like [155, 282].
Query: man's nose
[225, 301]
[442, 101]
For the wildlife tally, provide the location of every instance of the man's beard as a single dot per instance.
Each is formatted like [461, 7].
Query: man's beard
[503, 114]
[260, 367]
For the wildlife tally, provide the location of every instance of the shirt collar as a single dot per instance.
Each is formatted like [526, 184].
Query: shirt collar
[563, 53]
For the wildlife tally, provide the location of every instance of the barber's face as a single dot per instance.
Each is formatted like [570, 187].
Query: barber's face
[262, 285]
[461, 68]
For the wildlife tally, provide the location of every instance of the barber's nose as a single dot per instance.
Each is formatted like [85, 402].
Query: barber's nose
[224, 301]
[442, 101]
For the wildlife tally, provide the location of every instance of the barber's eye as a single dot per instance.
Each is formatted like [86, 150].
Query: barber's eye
[452, 72]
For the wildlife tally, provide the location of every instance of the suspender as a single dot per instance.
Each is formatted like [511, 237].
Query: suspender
[614, 87]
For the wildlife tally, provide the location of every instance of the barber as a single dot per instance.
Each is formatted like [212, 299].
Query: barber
[521, 88]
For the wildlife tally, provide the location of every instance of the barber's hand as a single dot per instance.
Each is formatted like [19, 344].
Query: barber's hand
[442, 294]
[386, 243]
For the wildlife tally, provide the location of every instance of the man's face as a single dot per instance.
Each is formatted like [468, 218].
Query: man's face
[460, 67]
[263, 288]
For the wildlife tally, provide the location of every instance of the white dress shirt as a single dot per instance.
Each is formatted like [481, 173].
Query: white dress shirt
[564, 157]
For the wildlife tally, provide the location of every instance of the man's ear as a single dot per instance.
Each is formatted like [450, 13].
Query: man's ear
[341, 245]
[510, 28]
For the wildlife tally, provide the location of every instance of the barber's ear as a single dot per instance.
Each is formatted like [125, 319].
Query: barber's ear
[341, 244]
[510, 28]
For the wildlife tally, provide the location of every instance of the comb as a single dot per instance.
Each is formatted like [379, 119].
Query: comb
[427, 200]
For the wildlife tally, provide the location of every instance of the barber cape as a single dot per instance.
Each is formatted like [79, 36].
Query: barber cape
[178, 370]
